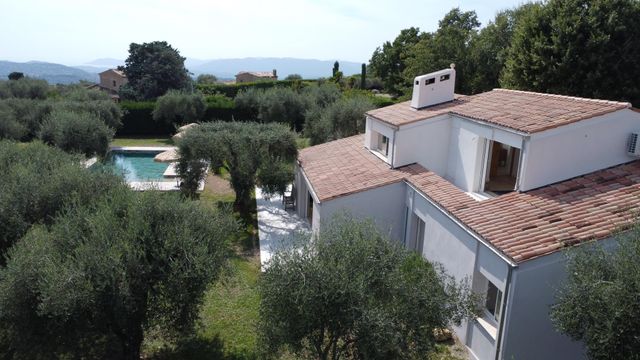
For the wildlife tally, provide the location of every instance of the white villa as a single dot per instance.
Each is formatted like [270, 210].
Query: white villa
[492, 186]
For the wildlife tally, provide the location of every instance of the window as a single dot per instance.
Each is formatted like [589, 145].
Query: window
[445, 77]
[493, 301]
[114, 83]
[419, 240]
[430, 81]
[383, 145]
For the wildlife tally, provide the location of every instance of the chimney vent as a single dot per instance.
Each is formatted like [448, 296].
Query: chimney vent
[434, 88]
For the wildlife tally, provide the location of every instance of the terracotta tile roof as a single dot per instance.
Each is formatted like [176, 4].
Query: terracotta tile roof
[116, 71]
[526, 225]
[258, 73]
[344, 167]
[521, 225]
[523, 111]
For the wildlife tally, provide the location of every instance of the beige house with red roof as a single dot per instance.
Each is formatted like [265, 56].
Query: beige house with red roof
[254, 76]
[492, 186]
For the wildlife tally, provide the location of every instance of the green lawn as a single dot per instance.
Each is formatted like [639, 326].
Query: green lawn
[141, 141]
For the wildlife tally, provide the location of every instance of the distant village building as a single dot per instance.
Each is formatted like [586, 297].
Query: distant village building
[253, 76]
[110, 81]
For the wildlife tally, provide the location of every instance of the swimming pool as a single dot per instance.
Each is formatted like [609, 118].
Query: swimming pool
[136, 166]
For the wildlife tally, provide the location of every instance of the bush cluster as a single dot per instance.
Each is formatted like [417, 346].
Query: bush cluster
[87, 266]
[73, 118]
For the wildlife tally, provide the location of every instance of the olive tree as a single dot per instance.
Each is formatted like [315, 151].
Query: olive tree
[26, 88]
[177, 107]
[92, 283]
[252, 153]
[76, 132]
[38, 182]
[340, 119]
[350, 292]
[598, 303]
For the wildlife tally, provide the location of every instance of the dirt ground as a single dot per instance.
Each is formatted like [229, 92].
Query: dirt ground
[217, 185]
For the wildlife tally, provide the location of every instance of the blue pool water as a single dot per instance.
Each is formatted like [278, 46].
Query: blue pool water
[136, 166]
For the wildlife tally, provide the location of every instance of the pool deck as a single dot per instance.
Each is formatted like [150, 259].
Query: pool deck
[142, 148]
[277, 227]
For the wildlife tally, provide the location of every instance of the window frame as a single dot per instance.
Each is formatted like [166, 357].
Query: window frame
[497, 302]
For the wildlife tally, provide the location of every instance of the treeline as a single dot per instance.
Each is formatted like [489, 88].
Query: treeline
[322, 111]
[583, 48]
[69, 117]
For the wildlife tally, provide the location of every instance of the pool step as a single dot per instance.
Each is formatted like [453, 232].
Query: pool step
[171, 171]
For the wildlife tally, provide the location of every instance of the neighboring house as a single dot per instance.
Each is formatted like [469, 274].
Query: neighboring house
[492, 186]
[253, 76]
[110, 81]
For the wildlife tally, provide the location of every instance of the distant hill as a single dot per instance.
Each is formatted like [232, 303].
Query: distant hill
[108, 63]
[222, 68]
[307, 68]
[228, 68]
[53, 73]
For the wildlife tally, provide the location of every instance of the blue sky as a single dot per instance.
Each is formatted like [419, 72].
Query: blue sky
[74, 32]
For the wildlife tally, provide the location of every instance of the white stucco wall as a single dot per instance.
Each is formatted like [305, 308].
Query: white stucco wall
[464, 258]
[374, 127]
[384, 205]
[466, 152]
[467, 149]
[578, 149]
[426, 143]
[528, 328]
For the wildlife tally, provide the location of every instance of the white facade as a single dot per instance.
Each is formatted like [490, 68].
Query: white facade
[578, 148]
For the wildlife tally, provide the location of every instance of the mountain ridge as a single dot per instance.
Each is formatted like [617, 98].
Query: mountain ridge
[225, 68]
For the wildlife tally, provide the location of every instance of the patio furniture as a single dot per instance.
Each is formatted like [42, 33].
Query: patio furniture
[288, 198]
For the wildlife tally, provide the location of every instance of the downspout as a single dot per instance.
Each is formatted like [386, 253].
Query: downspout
[503, 311]
[393, 151]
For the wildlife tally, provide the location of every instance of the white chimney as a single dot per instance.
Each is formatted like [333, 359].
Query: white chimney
[434, 88]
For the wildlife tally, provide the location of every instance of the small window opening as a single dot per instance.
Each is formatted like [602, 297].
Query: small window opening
[417, 82]
[430, 81]
[383, 145]
[114, 83]
[445, 77]
[493, 301]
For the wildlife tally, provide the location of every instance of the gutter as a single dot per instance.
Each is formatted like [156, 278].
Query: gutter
[465, 227]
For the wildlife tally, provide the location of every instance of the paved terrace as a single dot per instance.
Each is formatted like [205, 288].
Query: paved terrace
[276, 226]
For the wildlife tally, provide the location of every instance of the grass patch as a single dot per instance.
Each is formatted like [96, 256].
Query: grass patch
[142, 141]
[230, 311]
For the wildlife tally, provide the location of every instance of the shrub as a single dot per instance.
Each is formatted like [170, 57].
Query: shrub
[76, 132]
[177, 107]
[26, 88]
[343, 118]
[248, 101]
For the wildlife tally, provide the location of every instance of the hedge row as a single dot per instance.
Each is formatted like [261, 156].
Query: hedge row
[231, 90]
[138, 117]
